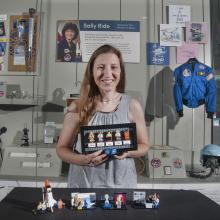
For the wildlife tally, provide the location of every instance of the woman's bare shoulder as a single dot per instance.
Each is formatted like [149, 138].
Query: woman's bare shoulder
[73, 107]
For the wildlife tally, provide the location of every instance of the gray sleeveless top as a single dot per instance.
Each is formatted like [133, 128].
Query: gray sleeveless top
[121, 173]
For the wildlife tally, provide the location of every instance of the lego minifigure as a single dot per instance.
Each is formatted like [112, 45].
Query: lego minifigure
[100, 136]
[118, 135]
[126, 135]
[91, 137]
[109, 136]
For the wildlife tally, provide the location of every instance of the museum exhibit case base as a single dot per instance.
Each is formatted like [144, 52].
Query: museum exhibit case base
[165, 162]
[31, 161]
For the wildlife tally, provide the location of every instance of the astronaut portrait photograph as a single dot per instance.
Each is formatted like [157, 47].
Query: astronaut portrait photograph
[68, 41]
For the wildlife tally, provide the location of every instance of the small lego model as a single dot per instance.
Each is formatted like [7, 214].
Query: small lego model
[81, 201]
[48, 202]
[153, 201]
[140, 201]
[107, 202]
[119, 201]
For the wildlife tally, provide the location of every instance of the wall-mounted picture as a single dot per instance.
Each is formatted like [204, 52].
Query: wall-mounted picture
[2, 29]
[167, 170]
[179, 14]
[157, 55]
[24, 35]
[197, 32]
[186, 51]
[170, 35]
[68, 41]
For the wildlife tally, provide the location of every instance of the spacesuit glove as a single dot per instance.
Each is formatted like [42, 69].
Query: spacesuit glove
[210, 115]
[180, 113]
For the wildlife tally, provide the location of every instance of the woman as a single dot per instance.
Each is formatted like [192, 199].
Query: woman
[102, 101]
[66, 50]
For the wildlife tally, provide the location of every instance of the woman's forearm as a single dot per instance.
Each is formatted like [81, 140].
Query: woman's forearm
[68, 156]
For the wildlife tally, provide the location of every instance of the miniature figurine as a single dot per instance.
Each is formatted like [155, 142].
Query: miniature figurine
[60, 204]
[100, 136]
[91, 137]
[126, 135]
[25, 138]
[109, 136]
[41, 207]
[120, 201]
[107, 204]
[79, 204]
[118, 135]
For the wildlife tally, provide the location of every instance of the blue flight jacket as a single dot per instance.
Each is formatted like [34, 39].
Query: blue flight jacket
[194, 85]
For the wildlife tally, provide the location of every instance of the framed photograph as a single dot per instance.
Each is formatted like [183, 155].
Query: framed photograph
[197, 32]
[170, 35]
[23, 42]
[167, 170]
[2, 29]
[68, 41]
[117, 137]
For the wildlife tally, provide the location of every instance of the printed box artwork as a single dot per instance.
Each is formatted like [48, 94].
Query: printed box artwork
[157, 55]
[196, 32]
[121, 137]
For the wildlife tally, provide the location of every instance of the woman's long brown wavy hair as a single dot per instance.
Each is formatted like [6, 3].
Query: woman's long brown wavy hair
[90, 91]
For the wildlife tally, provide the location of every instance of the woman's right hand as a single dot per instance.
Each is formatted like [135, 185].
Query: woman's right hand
[94, 159]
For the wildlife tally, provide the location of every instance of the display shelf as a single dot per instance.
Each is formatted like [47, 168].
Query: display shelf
[13, 104]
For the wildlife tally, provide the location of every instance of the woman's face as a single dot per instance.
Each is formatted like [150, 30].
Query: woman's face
[69, 34]
[106, 72]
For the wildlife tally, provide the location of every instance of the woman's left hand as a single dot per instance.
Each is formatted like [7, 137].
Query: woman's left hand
[122, 156]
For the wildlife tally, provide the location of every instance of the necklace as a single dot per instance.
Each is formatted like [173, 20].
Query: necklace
[110, 100]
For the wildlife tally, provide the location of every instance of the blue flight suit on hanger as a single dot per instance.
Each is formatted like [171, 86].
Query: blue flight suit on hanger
[194, 85]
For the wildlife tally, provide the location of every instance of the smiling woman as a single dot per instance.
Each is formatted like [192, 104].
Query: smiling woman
[102, 102]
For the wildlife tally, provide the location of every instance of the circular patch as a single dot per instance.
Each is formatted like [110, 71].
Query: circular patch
[177, 163]
[67, 57]
[155, 162]
[201, 66]
[186, 72]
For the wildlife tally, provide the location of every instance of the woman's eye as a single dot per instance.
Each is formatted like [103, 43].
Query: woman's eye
[114, 67]
[100, 68]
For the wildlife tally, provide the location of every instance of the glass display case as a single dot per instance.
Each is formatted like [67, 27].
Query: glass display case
[34, 100]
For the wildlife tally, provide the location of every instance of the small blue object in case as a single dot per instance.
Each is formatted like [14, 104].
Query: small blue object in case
[110, 151]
